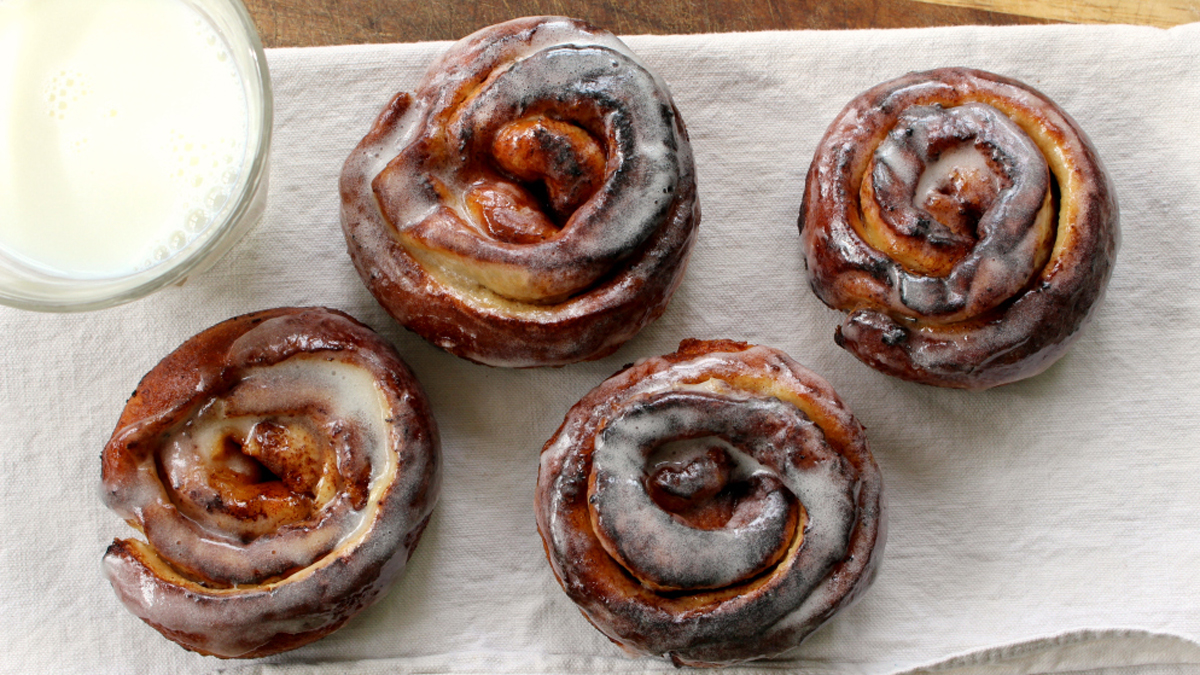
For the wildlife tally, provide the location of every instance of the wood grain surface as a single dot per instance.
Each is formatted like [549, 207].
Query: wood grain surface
[302, 23]
[1162, 13]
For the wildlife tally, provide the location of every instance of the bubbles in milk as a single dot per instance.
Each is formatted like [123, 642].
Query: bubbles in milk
[205, 171]
[63, 91]
[126, 125]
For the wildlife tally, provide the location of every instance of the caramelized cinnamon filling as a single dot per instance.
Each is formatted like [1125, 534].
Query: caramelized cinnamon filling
[249, 479]
[537, 184]
[958, 186]
[704, 491]
[509, 213]
[273, 477]
[959, 199]
[289, 452]
[695, 489]
[554, 158]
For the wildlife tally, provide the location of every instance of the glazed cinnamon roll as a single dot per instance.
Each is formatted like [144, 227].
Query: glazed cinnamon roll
[281, 467]
[711, 506]
[533, 202]
[964, 223]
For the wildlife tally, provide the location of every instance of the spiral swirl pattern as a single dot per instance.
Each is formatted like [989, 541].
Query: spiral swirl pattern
[281, 466]
[711, 506]
[532, 203]
[964, 223]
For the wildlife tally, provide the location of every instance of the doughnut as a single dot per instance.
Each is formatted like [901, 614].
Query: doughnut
[964, 224]
[281, 467]
[711, 506]
[532, 203]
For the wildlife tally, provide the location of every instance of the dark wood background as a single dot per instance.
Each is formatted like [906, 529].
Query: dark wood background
[303, 23]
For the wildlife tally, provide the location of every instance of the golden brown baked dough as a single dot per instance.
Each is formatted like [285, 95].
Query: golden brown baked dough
[965, 224]
[711, 506]
[532, 203]
[281, 466]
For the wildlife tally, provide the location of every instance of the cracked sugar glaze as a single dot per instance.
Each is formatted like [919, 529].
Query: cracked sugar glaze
[123, 133]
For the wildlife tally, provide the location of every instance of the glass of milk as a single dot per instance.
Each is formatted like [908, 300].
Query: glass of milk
[134, 137]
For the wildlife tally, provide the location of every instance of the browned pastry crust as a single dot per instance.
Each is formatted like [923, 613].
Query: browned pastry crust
[964, 223]
[532, 203]
[281, 466]
[711, 506]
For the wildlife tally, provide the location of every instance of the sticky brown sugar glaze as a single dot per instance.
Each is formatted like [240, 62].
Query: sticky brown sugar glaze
[280, 467]
[963, 222]
[711, 506]
[533, 202]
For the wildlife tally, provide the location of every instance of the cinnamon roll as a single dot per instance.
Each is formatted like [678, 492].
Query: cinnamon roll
[281, 466]
[711, 506]
[963, 222]
[533, 202]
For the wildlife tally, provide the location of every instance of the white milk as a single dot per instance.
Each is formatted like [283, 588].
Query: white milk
[122, 132]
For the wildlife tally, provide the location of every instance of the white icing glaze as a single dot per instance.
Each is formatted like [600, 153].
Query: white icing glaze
[848, 268]
[605, 274]
[369, 508]
[347, 394]
[655, 544]
[643, 174]
[549, 34]
[960, 158]
[1015, 226]
[631, 425]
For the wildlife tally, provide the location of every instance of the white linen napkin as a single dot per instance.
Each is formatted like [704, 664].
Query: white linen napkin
[1018, 516]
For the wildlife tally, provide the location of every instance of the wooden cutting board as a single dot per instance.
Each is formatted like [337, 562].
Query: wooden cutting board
[1162, 13]
[303, 23]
